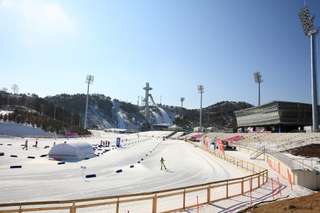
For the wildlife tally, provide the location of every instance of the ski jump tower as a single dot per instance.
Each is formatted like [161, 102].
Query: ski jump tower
[147, 88]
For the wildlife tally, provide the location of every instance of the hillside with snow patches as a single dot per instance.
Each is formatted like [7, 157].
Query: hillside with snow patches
[104, 112]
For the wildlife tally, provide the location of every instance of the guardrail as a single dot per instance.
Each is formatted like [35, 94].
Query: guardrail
[157, 201]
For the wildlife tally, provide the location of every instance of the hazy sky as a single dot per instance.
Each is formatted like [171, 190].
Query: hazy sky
[48, 47]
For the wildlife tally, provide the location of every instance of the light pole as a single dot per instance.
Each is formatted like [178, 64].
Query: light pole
[201, 91]
[89, 80]
[182, 100]
[311, 32]
[258, 79]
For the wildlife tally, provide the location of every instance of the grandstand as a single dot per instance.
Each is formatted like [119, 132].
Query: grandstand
[276, 116]
[305, 170]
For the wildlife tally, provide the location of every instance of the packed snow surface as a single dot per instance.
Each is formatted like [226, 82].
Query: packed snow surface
[43, 179]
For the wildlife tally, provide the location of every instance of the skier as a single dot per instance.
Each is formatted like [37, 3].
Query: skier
[25, 145]
[36, 144]
[162, 164]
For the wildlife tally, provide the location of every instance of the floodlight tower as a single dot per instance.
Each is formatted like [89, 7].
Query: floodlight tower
[182, 100]
[89, 80]
[258, 79]
[201, 91]
[147, 88]
[311, 32]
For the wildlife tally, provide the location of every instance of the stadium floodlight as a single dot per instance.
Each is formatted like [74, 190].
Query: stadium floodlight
[311, 32]
[258, 79]
[201, 91]
[89, 80]
[182, 100]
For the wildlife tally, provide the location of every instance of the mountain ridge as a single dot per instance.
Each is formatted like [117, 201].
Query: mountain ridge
[105, 112]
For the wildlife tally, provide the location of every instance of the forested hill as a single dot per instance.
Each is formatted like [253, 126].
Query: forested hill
[219, 116]
[66, 112]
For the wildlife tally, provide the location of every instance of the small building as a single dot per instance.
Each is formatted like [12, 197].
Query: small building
[71, 151]
[117, 130]
[161, 126]
[276, 116]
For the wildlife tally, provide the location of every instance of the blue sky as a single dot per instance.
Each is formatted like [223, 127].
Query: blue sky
[48, 47]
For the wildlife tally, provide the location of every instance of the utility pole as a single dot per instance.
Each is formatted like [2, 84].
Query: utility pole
[311, 32]
[89, 80]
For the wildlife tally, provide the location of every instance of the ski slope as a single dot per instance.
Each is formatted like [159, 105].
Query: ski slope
[43, 179]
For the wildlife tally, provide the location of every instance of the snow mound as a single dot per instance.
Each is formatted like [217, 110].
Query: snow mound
[71, 151]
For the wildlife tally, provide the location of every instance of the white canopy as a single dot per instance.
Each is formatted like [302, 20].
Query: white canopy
[71, 151]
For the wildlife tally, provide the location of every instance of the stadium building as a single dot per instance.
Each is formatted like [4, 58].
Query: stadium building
[276, 116]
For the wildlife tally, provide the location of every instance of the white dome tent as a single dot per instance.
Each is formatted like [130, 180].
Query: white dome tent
[71, 151]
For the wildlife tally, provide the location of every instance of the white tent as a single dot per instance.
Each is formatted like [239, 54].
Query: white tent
[71, 151]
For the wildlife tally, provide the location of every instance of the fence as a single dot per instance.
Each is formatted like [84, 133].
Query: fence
[157, 201]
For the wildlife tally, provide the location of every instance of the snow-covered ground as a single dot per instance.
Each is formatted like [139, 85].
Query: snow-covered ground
[43, 179]
[272, 190]
[5, 112]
